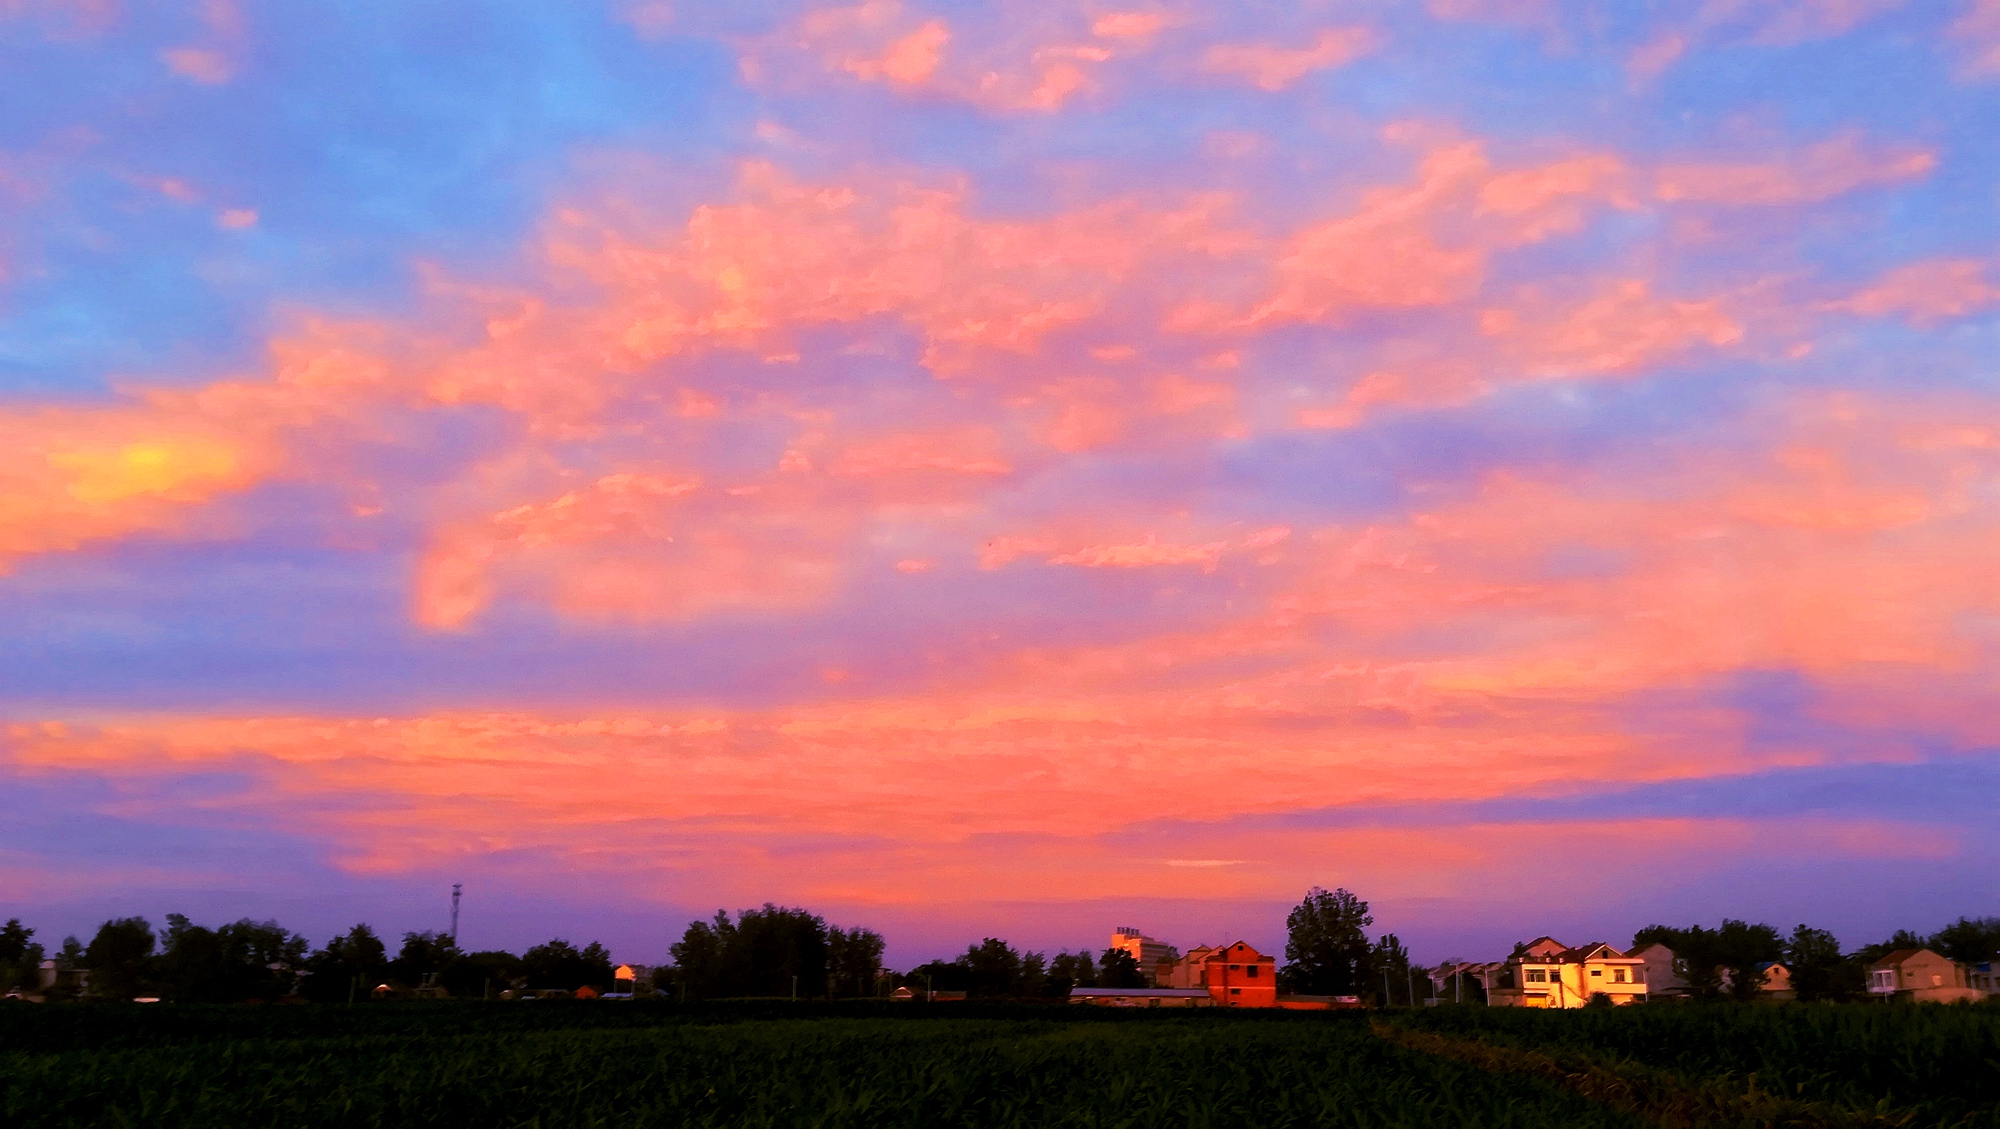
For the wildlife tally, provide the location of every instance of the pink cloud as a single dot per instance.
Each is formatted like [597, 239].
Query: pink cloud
[1621, 330]
[1832, 168]
[1272, 67]
[1978, 30]
[1017, 59]
[1926, 292]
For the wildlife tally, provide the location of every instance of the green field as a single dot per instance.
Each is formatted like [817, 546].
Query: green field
[562, 1064]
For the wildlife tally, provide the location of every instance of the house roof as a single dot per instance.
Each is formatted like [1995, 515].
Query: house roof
[1596, 950]
[1239, 949]
[1892, 959]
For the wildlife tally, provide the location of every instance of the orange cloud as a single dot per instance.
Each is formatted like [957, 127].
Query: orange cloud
[1271, 67]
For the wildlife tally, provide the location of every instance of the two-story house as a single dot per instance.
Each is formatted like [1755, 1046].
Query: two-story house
[1543, 974]
[1235, 975]
[1921, 976]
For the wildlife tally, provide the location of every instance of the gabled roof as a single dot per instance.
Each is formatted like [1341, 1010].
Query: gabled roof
[1892, 959]
[1593, 951]
[1239, 948]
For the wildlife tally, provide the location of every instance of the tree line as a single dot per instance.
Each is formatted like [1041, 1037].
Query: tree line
[792, 952]
[262, 960]
[1730, 961]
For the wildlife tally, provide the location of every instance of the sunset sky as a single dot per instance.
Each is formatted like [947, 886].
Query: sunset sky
[1009, 468]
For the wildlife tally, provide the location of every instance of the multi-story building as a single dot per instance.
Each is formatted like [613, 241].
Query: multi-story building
[1235, 975]
[1920, 975]
[1153, 956]
[1544, 974]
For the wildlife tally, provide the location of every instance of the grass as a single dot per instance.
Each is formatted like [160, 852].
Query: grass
[1914, 1066]
[771, 1064]
[626, 1064]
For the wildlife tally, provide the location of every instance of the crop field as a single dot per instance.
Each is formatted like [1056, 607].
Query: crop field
[587, 1064]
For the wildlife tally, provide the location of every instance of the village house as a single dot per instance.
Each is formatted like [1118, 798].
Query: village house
[1920, 976]
[1235, 975]
[1984, 977]
[1142, 997]
[1547, 975]
[1663, 980]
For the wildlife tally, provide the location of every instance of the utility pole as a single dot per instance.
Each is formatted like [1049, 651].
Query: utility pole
[457, 888]
[1387, 999]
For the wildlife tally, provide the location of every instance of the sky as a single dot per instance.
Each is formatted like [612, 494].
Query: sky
[1005, 469]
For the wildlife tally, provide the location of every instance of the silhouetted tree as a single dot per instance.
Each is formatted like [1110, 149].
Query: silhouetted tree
[1819, 972]
[473, 975]
[1390, 972]
[853, 958]
[348, 968]
[1117, 968]
[120, 958]
[1969, 939]
[20, 957]
[1702, 956]
[994, 968]
[559, 964]
[1070, 970]
[239, 961]
[762, 953]
[422, 955]
[1326, 944]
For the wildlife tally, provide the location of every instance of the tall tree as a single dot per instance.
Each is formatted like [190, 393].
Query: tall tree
[1326, 944]
[559, 964]
[1969, 940]
[995, 968]
[853, 960]
[1819, 972]
[20, 957]
[1391, 971]
[120, 958]
[239, 961]
[1070, 970]
[1119, 969]
[764, 952]
[349, 967]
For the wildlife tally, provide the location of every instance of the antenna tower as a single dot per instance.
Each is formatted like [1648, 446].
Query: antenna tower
[457, 888]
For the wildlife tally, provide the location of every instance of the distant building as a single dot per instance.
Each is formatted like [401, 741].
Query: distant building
[1236, 975]
[70, 980]
[1153, 956]
[1920, 976]
[1984, 976]
[1142, 997]
[1775, 981]
[1545, 974]
[1662, 979]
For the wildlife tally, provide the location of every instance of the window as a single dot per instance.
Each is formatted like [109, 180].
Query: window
[1251, 972]
[1537, 976]
[1235, 967]
[1597, 972]
[1617, 976]
[1235, 991]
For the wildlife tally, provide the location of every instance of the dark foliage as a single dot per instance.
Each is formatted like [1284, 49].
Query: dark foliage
[120, 958]
[347, 968]
[20, 957]
[1117, 968]
[559, 964]
[243, 960]
[1326, 944]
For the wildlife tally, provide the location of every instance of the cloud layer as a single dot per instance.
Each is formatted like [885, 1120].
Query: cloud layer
[970, 465]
